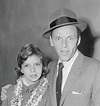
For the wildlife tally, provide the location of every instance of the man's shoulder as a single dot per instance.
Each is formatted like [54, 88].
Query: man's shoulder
[91, 64]
[52, 64]
[91, 60]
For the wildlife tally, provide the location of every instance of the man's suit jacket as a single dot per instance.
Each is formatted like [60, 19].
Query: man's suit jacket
[82, 87]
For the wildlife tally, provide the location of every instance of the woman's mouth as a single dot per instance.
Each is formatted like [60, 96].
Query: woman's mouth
[33, 75]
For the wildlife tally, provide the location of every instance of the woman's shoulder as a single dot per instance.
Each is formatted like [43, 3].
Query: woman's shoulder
[10, 90]
[7, 91]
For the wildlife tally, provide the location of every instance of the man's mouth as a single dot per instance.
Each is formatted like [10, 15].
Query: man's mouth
[64, 52]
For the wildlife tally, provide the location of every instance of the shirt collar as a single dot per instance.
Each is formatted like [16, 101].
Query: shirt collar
[29, 88]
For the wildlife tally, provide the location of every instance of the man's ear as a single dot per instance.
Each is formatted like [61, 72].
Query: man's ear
[79, 40]
[51, 41]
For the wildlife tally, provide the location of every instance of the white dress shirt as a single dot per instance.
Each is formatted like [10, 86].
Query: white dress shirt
[67, 68]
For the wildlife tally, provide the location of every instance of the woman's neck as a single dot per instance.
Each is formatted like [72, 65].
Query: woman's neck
[28, 83]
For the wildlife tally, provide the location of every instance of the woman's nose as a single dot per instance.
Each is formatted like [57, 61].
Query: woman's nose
[32, 69]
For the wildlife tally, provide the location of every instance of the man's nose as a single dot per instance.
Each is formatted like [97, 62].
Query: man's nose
[64, 43]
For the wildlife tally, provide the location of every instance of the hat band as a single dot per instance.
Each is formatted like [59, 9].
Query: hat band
[62, 20]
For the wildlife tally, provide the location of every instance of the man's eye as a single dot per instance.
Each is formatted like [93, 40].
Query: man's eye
[70, 38]
[26, 65]
[58, 38]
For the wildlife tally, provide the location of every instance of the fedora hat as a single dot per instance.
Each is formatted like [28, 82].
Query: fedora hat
[62, 17]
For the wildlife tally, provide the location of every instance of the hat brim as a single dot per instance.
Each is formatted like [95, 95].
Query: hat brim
[81, 25]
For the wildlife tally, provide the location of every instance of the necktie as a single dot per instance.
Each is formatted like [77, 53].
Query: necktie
[59, 83]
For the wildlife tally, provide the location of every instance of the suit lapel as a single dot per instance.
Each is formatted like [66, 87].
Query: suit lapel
[73, 75]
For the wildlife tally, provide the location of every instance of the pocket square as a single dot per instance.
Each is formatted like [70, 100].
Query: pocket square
[74, 92]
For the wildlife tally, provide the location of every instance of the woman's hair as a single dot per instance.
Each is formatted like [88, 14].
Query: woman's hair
[27, 51]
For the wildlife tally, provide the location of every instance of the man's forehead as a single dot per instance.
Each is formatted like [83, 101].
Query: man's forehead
[68, 29]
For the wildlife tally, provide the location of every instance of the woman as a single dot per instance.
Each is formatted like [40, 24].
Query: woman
[32, 84]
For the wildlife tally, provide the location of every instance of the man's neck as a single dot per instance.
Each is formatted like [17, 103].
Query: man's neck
[72, 59]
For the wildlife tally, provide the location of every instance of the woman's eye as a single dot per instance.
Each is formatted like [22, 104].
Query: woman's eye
[37, 64]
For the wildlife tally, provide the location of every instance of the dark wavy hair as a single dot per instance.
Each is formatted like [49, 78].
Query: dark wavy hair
[29, 50]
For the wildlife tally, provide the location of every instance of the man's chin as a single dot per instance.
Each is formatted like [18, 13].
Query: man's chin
[64, 59]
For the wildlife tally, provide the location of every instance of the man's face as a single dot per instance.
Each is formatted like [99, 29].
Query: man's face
[65, 41]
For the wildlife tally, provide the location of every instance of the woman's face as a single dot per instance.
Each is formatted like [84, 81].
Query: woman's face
[32, 69]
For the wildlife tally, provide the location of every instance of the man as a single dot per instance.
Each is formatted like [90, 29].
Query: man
[80, 80]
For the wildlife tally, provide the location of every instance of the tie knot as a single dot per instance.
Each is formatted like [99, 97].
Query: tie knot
[61, 65]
